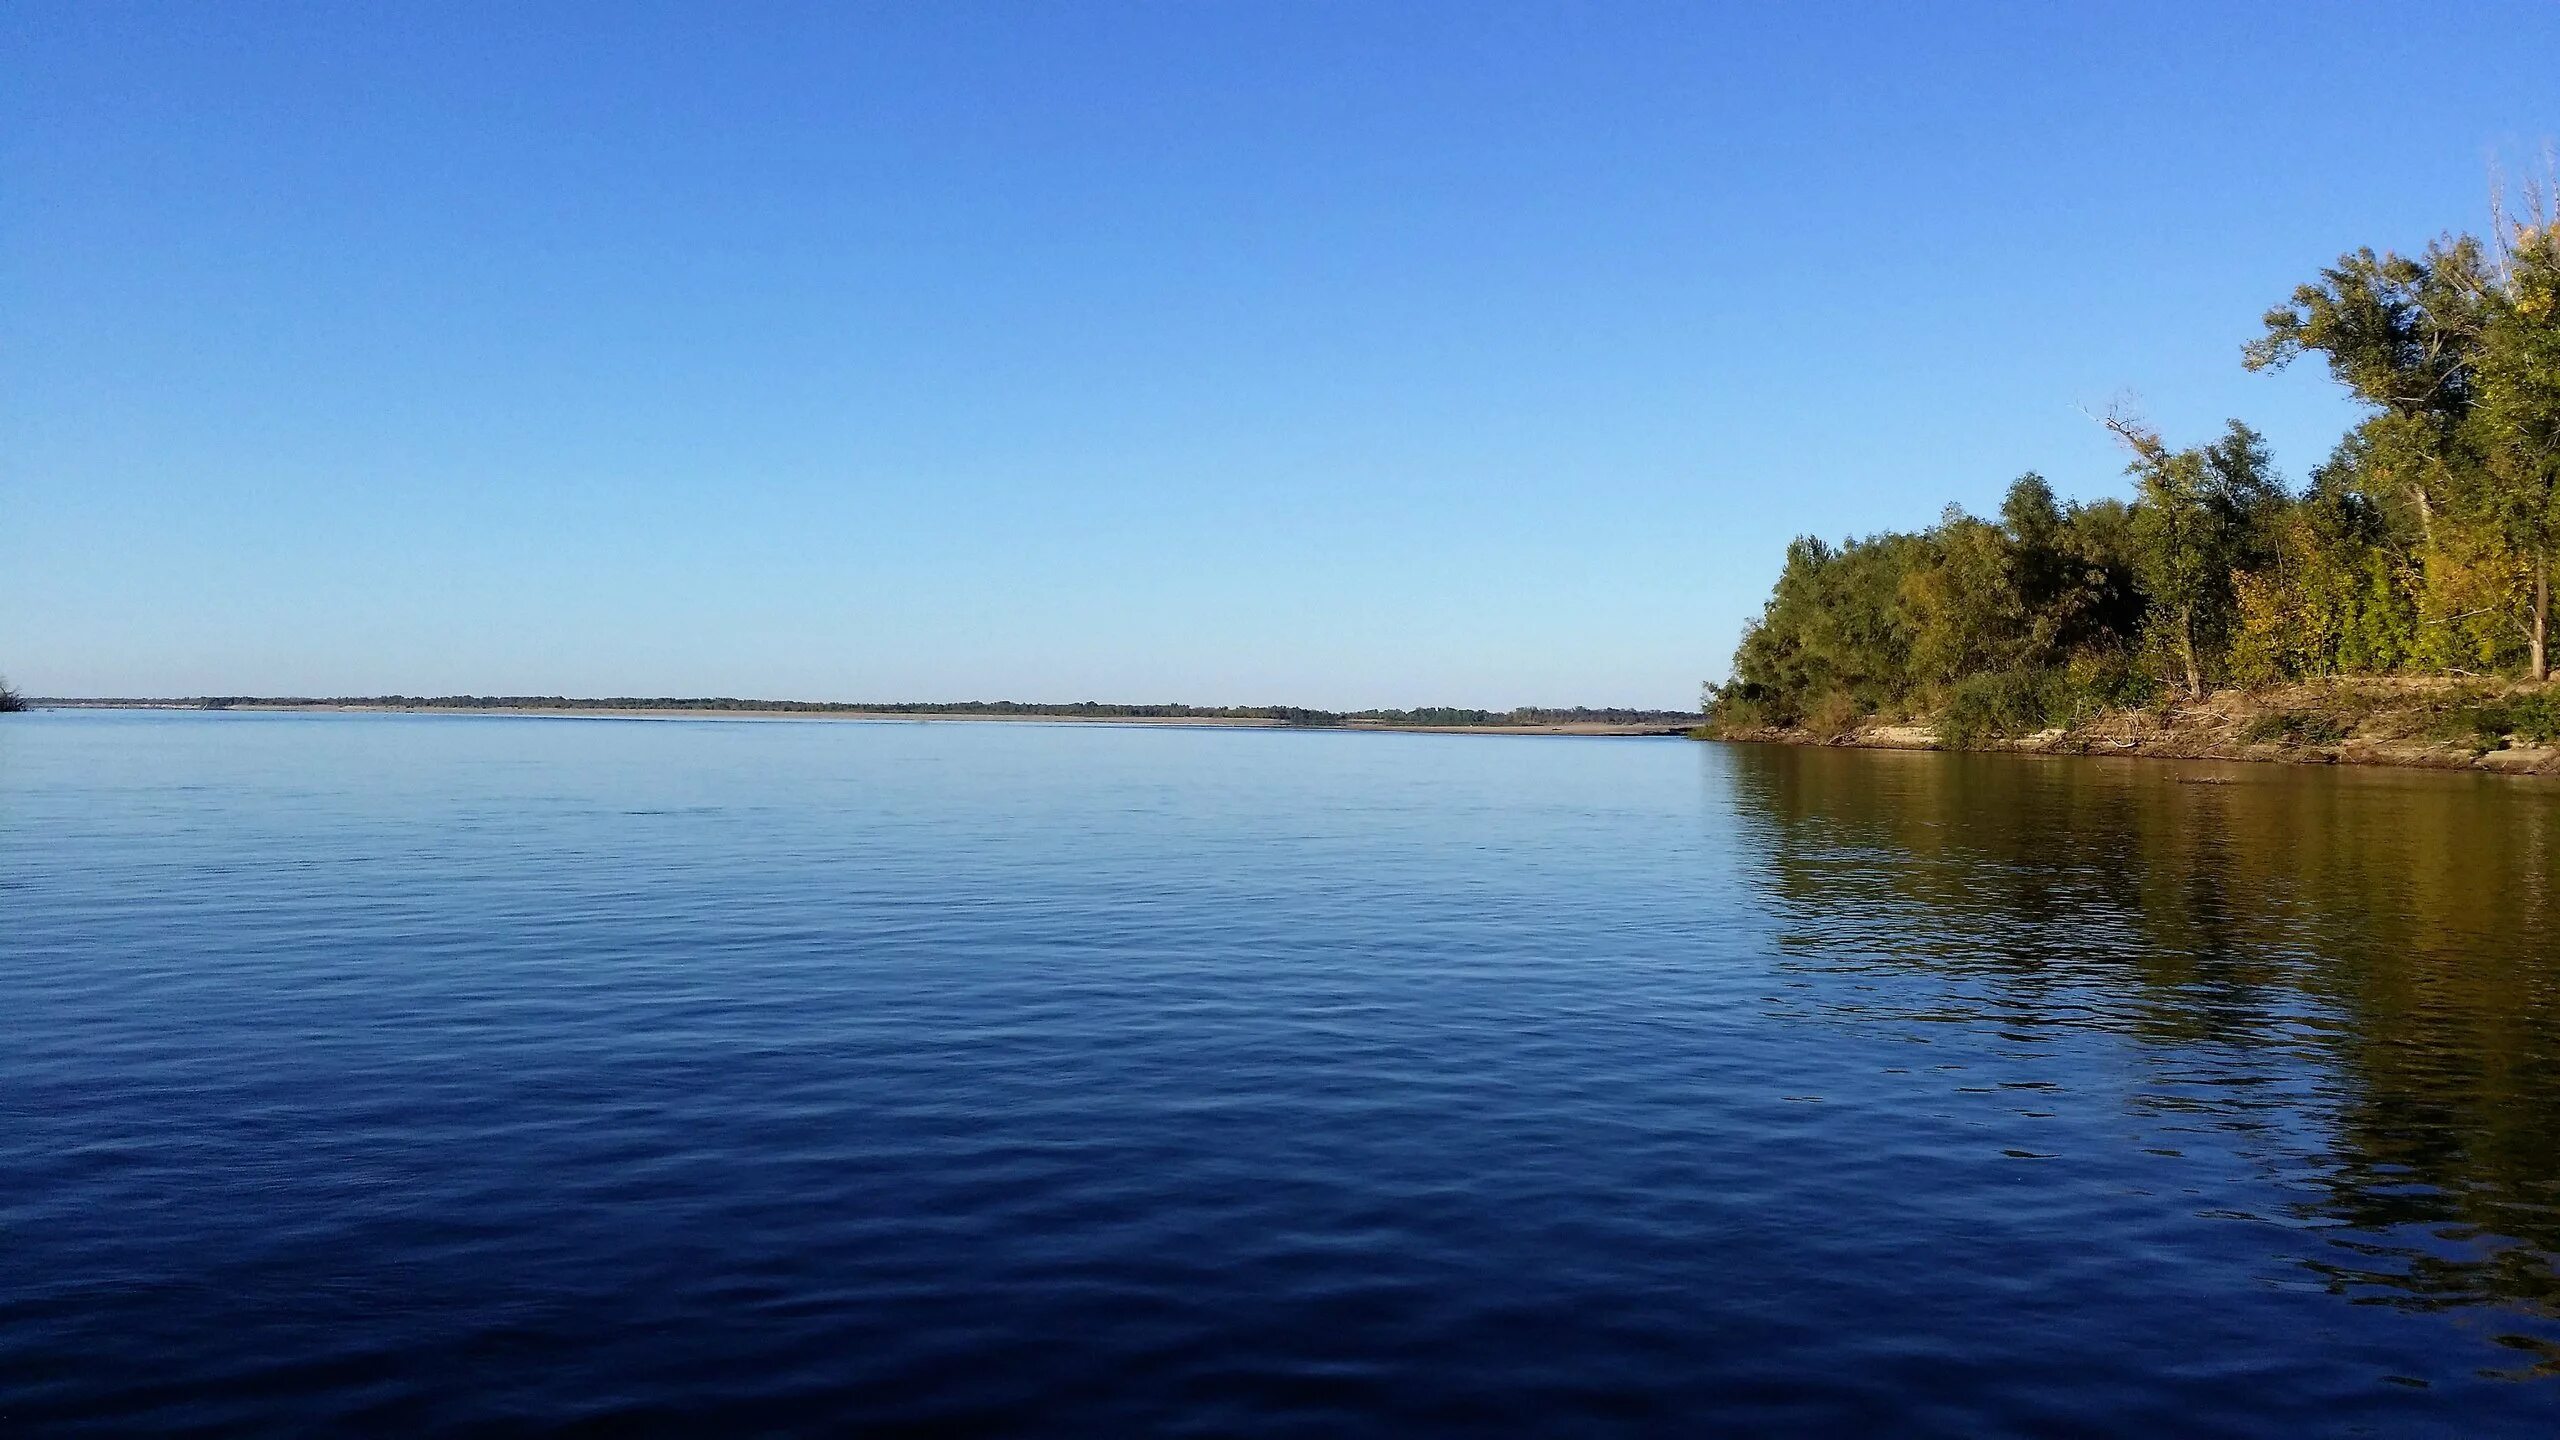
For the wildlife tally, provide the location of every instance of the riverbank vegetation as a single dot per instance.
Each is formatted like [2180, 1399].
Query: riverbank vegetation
[2423, 546]
[10, 700]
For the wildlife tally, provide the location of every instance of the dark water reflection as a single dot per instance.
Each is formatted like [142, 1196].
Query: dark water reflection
[2352, 977]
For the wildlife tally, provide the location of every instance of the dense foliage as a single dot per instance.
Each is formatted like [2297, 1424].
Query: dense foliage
[10, 700]
[2423, 545]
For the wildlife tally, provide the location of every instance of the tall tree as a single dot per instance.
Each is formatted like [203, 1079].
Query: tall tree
[2199, 517]
[2401, 334]
[2518, 418]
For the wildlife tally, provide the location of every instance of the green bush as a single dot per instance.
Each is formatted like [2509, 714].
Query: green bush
[2004, 704]
[2534, 717]
[2106, 680]
[1834, 715]
[1737, 708]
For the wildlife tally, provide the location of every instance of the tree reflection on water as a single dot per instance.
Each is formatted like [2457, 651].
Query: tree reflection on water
[2353, 977]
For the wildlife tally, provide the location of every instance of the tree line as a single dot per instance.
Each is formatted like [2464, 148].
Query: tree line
[2424, 544]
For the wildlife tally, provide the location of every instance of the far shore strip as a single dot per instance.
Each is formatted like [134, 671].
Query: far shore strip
[1227, 722]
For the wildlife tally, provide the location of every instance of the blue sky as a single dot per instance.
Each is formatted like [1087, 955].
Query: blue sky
[1337, 354]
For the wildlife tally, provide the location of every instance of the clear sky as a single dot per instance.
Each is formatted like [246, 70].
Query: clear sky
[1329, 353]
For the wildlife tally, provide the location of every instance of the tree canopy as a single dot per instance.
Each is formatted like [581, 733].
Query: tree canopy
[2424, 544]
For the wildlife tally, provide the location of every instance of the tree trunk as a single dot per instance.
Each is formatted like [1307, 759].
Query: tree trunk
[2187, 650]
[2540, 662]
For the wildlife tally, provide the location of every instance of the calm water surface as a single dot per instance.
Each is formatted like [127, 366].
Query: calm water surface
[381, 1075]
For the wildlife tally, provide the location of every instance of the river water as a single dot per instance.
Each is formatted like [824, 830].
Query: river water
[388, 1075]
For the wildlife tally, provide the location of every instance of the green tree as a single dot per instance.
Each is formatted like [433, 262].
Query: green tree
[2427, 541]
[1965, 609]
[2400, 334]
[2200, 516]
[2517, 420]
[2328, 598]
[2040, 560]
[1835, 628]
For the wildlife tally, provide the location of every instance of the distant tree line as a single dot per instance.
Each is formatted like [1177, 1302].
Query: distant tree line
[1523, 715]
[1087, 709]
[2424, 544]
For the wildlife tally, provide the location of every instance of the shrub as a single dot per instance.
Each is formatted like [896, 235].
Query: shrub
[1738, 708]
[10, 700]
[1834, 715]
[2004, 704]
[2533, 717]
[2105, 680]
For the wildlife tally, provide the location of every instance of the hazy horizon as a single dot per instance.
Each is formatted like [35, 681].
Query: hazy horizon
[1317, 355]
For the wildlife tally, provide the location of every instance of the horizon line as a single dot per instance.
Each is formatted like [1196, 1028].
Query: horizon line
[1167, 707]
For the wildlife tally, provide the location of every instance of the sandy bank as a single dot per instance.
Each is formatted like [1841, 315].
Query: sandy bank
[2423, 723]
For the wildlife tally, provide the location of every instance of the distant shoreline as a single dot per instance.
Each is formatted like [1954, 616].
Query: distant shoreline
[1671, 725]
